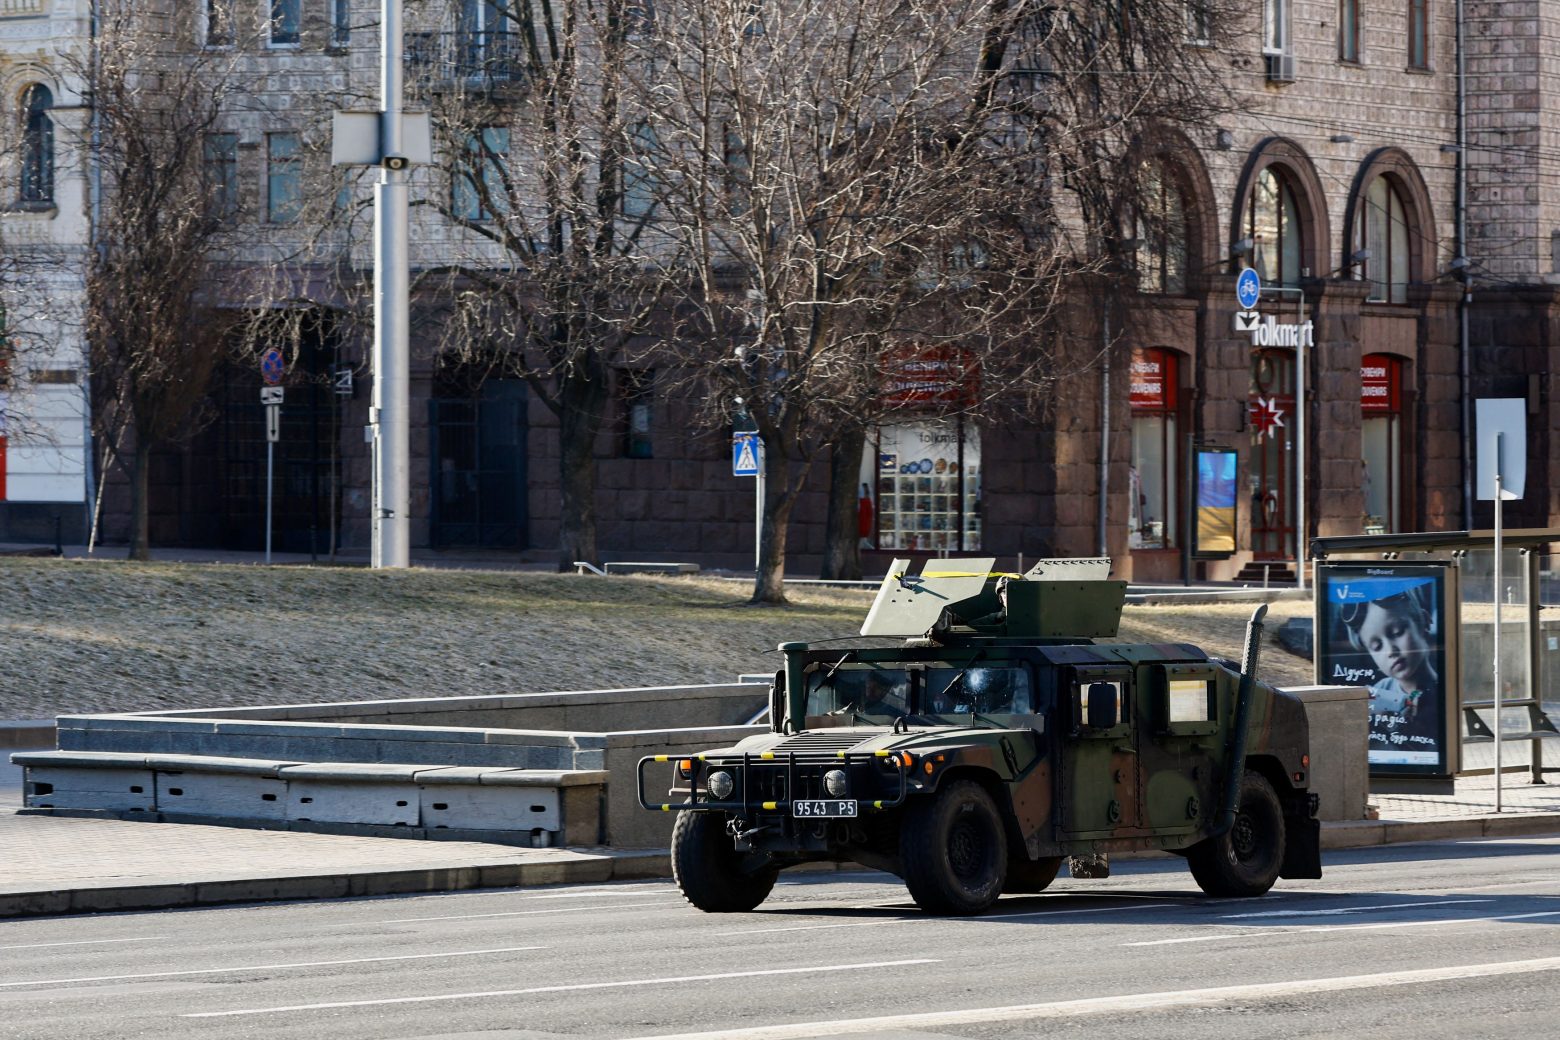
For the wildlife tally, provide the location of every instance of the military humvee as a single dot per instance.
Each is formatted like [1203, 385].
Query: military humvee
[998, 739]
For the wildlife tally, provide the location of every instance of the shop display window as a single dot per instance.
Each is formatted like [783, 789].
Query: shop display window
[928, 487]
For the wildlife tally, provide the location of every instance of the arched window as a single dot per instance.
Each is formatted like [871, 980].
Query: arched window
[1273, 225]
[1160, 232]
[37, 144]
[1381, 228]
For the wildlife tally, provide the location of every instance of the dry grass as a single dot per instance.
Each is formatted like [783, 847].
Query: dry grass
[79, 636]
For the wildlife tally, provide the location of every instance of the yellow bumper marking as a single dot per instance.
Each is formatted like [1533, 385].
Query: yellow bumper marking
[771, 805]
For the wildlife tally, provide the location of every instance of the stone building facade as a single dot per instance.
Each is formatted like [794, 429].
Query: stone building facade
[1335, 178]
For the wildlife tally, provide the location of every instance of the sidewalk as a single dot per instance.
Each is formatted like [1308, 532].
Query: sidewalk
[58, 865]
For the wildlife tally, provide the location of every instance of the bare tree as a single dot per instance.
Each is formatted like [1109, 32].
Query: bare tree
[545, 275]
[841, 198]
[154, 334]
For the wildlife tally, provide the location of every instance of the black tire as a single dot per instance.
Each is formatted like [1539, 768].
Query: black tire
[1031, 875]
[709, 870]
[1245, 860]
[954, 850]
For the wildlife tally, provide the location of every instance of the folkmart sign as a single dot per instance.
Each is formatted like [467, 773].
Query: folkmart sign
[1267, 332]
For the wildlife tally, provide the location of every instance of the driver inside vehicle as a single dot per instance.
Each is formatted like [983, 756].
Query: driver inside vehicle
[885, 694]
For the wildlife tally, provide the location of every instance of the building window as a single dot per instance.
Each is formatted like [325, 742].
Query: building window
[1155, 477]
[340, 23]
[220, 31]
[37, 145]
[283, 177]
[928, 486]
[479, 187]
[219, 157]
[1273, 225]
[1418, 34]
[1160, 233]
[639, 187]
[1199, 22]
[1275, 27]
[1381, 228]
[636, 387]
[1348, 30]
[1381, 442]
[286, 15]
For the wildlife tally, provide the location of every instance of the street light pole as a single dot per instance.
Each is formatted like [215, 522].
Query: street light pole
[389, 415]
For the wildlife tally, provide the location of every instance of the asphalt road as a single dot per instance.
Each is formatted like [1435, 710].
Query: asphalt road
[1451, 939]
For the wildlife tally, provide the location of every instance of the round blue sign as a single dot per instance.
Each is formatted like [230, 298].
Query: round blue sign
[1248, 288]
[271, 367]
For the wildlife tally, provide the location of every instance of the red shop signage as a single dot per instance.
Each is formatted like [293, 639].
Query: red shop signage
[929, 375]
[1153, 380]
[1379, 383]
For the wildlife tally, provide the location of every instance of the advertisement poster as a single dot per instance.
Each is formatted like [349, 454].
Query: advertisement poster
[1214, 497]
[1386, 628]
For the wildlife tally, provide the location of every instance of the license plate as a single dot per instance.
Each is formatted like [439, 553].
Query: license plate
[823, 807]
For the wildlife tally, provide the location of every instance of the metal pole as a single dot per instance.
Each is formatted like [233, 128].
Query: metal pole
[1464, 364]
[270, 461]
[391, 403]
[1300, 441]
[758, 512]
[1499, 438]
[1102, 514]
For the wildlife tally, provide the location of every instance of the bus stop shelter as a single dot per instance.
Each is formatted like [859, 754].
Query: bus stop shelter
[1412, 617]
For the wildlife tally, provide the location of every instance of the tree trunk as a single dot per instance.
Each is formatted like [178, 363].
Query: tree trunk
[580, 418]
[140, 536]
[779, 497]
[842, 529]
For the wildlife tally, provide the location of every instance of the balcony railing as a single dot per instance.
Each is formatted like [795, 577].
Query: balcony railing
[476, 59]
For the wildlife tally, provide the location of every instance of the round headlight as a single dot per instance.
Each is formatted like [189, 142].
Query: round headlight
[834, 782]
[721, 785]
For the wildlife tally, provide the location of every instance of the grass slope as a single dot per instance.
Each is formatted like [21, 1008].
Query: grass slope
[82, 636]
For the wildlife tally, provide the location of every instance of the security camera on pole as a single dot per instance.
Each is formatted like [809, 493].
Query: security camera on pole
[393, 141]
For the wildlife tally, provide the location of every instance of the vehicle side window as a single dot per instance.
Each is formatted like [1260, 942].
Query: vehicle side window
[1100, 702]
[1185, 699]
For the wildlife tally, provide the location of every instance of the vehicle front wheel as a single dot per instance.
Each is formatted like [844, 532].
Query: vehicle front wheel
[709, 870]
[954, 851]
[1245, 860]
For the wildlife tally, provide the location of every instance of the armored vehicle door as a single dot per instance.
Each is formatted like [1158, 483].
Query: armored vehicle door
[1181, 747]
[1098, 790]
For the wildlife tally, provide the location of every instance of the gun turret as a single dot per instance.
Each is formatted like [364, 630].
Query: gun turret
[1054, 599]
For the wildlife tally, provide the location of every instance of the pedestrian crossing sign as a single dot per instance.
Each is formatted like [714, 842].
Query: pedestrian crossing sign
[744, 455]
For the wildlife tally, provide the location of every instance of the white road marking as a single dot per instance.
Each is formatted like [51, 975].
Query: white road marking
[1080, 910]
[271, 967]
[596, 890]
[560, 989]
[1116, 1004]
[809, 927]
[527, 913]
[1267, 932]
[86, 942]
[1339, 910]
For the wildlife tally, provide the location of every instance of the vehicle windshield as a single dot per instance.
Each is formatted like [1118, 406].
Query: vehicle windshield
[884, 693]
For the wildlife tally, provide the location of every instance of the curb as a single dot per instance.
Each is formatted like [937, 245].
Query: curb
[566, 867]
[569, 868]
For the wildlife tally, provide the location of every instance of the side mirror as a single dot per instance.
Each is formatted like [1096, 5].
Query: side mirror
[1102, 705]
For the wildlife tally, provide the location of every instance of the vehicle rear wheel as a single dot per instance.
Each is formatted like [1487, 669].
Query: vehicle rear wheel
[1245, 860]
[954, 850]
[1031, 875]
[709, 870]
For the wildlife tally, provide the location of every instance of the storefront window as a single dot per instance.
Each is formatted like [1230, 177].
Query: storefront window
[1154, 476]
[928, 486]
[1381, 445]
